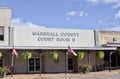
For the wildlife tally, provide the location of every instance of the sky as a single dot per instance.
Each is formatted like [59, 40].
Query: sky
[69, 14]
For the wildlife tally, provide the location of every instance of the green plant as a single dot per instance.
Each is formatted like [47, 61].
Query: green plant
[26, 54]
[80, 54]
[2, 70]
[100, 54]
[6, 69]
[119, 52]
[54, 54]
[85, 68]
[1, 54]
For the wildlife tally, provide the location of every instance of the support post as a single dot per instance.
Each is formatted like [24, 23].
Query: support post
[88, 57]
[116, 59]
[66, 62]
[40, 63]
[12, 66]
[110, 60]
[95, 62]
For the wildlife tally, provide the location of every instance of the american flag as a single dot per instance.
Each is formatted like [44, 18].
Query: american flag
[70, 50]
[14, 52]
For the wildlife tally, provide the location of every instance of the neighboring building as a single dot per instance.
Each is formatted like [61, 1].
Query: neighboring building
[5, 21]
[41, 41]
[110, 39]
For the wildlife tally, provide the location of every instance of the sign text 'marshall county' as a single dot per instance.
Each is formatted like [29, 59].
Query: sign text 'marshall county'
[66, 34]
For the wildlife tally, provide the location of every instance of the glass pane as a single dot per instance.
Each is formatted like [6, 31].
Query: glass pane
[1, 37]
[1, 30]
[70, 67]
[31, 64]
[37, 68]
[70, 63]
[37, 61]
[37, 64]
[0, 62]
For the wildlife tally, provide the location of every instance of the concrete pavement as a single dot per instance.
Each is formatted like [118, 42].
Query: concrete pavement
[114, 74]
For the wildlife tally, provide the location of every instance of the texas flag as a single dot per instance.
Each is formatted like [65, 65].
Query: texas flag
[70, 50]
[14, 52]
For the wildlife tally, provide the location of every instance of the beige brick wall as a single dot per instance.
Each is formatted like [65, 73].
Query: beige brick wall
[5, 17]
[20, 64]
[6, 57]
[48, 63]
[51, 66]
[5, 21]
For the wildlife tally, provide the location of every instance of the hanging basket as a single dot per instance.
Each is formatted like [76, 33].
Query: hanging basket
[80, 54]
[54, 55]
[1, 55]
[100, 54]
[26, 54]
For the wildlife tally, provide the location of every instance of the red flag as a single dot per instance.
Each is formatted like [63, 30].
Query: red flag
[70, 50]
[14, 52]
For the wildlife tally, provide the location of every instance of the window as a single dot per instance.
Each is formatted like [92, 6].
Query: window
[1, 33]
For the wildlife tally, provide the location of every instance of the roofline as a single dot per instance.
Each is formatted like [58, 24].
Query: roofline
[58, 47]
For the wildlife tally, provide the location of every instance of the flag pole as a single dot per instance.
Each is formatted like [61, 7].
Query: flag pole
[12, 67]
[12, 62]
[66, 62]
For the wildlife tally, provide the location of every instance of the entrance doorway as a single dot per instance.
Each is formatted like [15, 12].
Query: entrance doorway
[70, 64]
[115, 58]
[34, 64]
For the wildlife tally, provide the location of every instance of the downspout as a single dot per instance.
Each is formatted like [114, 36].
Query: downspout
[12, 44]
[11, 36]
[95, 44]
[40, 53]
[96, 38]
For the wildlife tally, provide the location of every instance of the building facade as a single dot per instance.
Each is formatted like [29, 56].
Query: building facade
[41, 41]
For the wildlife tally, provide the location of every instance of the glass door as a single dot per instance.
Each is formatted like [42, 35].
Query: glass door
[34, 64]
[70, 64]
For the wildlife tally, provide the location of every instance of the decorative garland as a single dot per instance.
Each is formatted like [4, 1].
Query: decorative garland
[80, 54]
[1, 55]
[26, 54]
[100, 54]
[54, 54]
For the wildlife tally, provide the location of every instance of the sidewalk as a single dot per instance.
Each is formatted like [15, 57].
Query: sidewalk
[56, 75]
